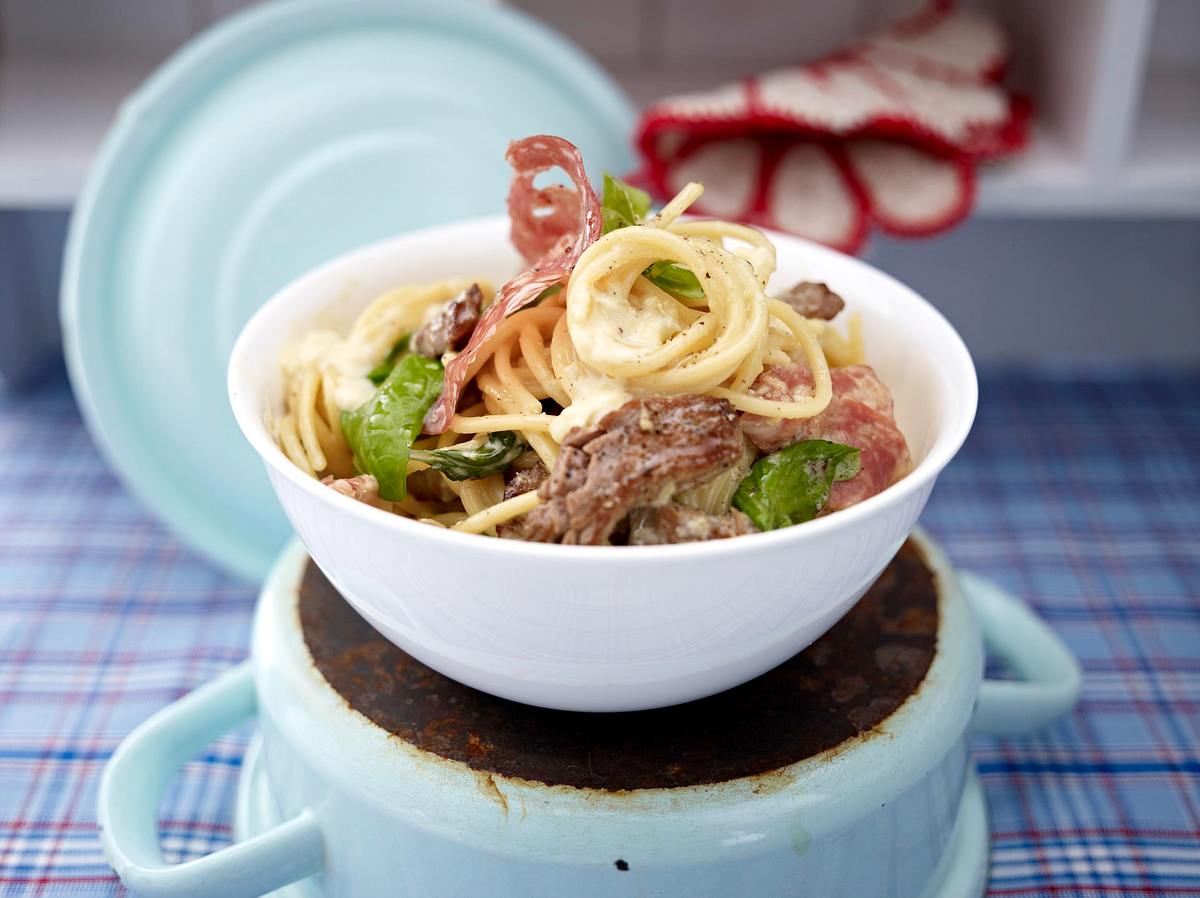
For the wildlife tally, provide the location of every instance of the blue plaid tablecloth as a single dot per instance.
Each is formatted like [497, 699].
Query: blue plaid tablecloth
[1078, 490]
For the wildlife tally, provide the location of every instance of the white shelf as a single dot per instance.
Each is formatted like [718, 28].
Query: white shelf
[1166, 144]
[1162, 178]
[53, 114]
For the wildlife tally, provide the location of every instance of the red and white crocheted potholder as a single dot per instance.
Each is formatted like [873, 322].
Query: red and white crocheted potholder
[887, 132]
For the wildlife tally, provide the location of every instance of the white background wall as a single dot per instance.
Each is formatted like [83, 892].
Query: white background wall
[1089, 247]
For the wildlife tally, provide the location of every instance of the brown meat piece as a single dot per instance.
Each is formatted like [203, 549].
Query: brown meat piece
[813, 300]
[526, 481]
[451, 327]
[645, 450]
[676, 523]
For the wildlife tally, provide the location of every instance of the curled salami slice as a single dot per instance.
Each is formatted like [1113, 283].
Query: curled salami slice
[556, 238]
[542, 217]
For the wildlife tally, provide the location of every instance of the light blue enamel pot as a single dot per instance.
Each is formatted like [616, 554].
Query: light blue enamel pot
[331, 805]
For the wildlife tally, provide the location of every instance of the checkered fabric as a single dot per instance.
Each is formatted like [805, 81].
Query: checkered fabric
[1079, 491]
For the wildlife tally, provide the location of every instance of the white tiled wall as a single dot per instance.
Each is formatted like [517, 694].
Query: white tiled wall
[1082, 59]
[651, 46]
[657, 47]
[93, 27]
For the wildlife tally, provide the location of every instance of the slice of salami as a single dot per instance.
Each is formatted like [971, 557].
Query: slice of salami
[556, 238]
[857, 383]
[542, 218]
[859, 415]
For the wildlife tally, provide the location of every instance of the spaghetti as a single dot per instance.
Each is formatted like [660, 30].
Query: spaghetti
[612, 334]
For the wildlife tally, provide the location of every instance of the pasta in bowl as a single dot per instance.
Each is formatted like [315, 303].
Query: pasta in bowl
[647, 385]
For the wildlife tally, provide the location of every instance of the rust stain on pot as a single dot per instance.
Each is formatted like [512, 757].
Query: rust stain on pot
[826, 700]
[772, 781]
[488, 788]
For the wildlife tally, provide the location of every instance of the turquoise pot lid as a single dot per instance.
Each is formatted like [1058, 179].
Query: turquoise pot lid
[280, 138]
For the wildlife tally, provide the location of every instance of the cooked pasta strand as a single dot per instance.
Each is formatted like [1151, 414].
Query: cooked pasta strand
[498, 514]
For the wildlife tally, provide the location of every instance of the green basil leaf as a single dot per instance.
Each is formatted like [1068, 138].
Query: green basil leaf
[792, 485]
[381, 431]
[491, 456]
[379, 373]
[622, 204]
[625, 206]
[675, 279]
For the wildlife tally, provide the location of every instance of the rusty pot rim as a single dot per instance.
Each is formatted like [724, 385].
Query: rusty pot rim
[844, 783]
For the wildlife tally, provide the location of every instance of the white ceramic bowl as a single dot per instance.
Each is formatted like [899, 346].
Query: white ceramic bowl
[604, 628]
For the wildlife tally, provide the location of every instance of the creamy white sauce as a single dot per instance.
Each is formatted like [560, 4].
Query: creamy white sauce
[345, 364]
[615, 330]
[597, 397]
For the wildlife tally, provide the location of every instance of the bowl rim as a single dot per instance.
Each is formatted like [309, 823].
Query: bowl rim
[955, 359]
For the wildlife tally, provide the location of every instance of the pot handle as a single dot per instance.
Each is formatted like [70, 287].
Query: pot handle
[1051, 678]
[133, 784]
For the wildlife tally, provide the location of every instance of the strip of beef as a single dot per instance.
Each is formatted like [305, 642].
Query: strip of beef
[526, 480]
[638, 455]
[676, 523]
[859, 415]
[451, 327]
[813, 300]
